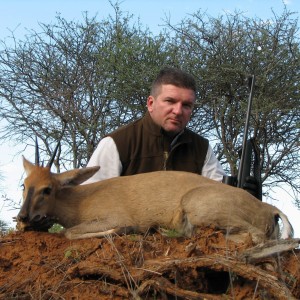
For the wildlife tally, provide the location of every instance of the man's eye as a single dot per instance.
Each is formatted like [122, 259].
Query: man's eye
[188, 105]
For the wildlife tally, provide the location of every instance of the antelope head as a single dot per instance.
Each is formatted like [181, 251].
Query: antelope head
[41, 191]
[37, 188]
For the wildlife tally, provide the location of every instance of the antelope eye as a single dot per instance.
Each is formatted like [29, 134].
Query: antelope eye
[23, 187]
[47, 191]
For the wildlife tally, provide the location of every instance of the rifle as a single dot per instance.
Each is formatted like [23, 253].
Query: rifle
[248, 150]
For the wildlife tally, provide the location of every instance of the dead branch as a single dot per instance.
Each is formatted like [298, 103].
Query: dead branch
[218, 263]
[165, 286]
[268, 249]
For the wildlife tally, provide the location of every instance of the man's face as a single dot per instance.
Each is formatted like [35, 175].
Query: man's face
[172, 108]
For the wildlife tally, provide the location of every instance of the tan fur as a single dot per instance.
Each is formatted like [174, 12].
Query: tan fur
[168, 199]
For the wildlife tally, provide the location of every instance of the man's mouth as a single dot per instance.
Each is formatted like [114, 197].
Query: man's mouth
[175, 121]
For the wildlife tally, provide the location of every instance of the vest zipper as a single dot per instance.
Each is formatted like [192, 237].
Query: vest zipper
[170, 147]
[166, 155]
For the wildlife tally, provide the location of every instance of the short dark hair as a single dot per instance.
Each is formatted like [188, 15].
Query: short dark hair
[175, 77]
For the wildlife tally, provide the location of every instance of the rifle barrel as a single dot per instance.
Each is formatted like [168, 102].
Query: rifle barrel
[242, 162]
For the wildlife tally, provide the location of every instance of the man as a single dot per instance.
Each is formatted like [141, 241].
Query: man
[159, 140]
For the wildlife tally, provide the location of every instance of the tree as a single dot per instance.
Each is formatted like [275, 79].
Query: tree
[3, 227]
[83, 79]
[221, 52]
[3, 224]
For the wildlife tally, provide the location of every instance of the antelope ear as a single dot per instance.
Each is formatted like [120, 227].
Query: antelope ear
[28, 166]
[76, 176]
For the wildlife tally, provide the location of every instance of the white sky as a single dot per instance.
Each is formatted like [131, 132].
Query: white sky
[19, 15]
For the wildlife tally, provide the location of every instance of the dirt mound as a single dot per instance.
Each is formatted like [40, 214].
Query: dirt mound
[37, 265]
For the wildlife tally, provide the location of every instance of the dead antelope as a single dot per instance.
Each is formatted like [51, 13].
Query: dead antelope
[169, 199]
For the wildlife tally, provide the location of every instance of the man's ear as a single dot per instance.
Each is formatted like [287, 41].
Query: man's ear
[150, 101]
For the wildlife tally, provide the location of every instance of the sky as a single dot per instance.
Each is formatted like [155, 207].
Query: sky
[22, 15]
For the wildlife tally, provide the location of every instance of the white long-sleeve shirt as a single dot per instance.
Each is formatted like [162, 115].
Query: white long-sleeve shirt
[107, 157]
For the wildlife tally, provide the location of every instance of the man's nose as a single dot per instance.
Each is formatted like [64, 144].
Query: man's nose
[177, 109]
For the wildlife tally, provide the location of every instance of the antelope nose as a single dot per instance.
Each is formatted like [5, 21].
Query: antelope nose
[22, 217]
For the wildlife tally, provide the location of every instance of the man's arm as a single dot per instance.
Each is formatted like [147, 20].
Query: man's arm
[106, 156]
[212, 168]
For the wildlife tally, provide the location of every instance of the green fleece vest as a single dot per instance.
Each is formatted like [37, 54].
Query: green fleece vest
[144, 148]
